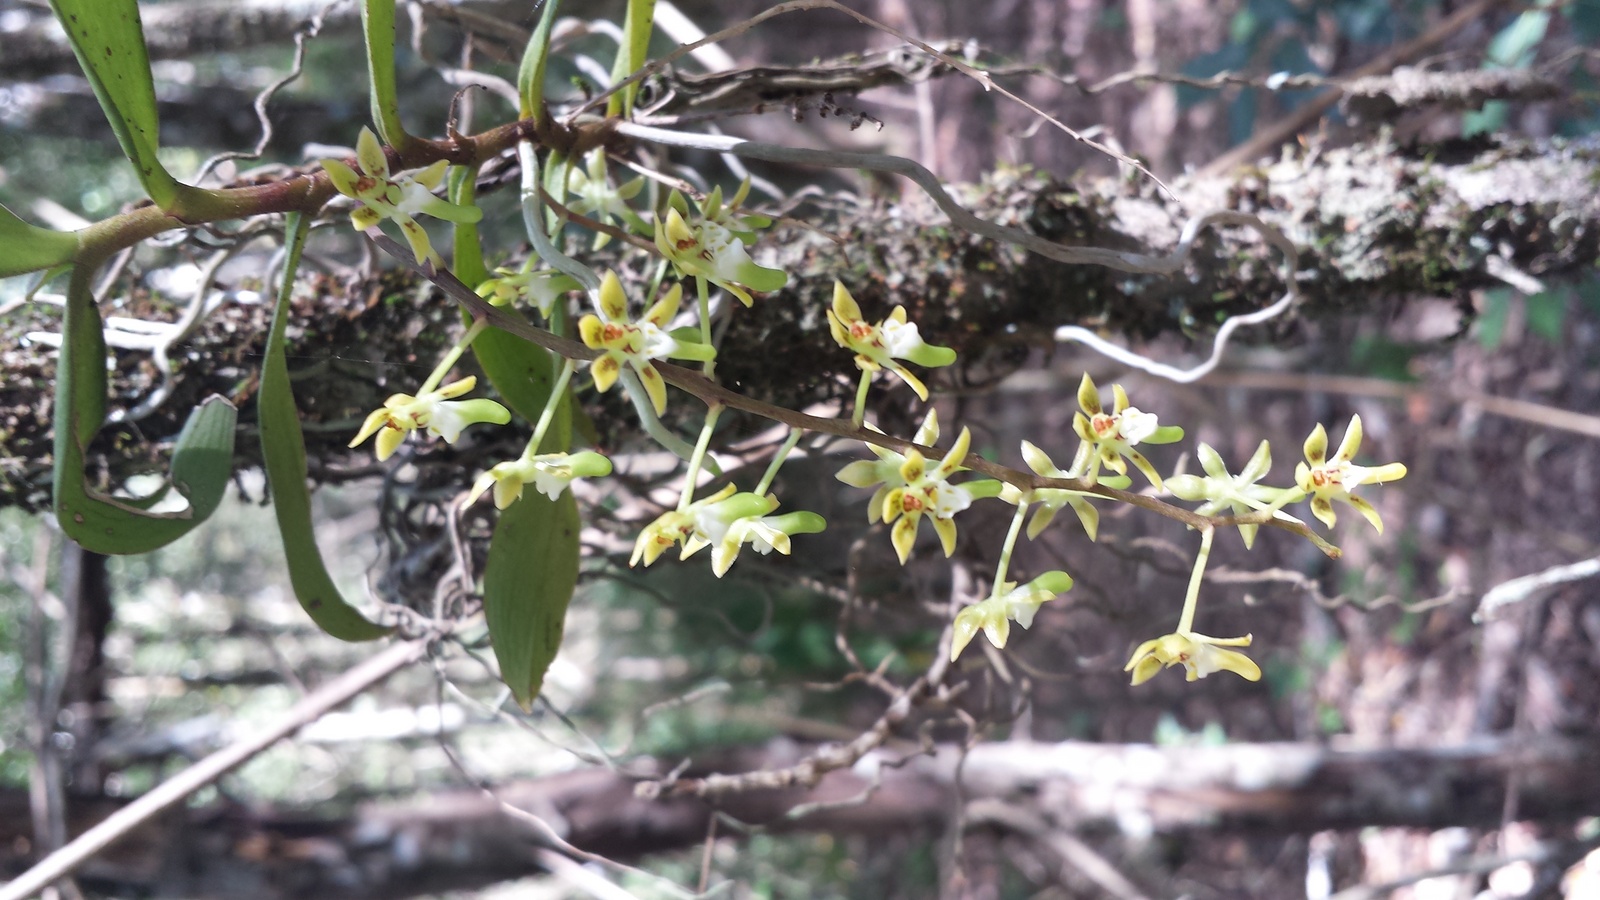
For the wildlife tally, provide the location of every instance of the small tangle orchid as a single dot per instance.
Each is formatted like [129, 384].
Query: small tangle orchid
[1327, 480]
[880, 346]
[430, 410]
[399, 198]
[622, 341]
[1109, 438]
[710, 246]
[662, 237]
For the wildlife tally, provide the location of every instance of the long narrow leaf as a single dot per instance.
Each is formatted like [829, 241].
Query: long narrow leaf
[29, 248]
[530, 75]
[377, 26]
[527, 584]
[202, 460]
[636, 28]
[283, 454]
[109, 42]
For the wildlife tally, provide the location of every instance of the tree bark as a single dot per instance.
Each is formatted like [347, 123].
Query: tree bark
[1375, 223]
[459, 840]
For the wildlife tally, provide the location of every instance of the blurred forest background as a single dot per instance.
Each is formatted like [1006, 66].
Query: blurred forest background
[1396, 746]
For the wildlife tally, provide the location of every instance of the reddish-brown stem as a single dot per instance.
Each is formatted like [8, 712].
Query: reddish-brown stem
[712, 393]
[305, 192]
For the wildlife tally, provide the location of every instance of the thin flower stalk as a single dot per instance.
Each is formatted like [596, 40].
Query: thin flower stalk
[1199, 654]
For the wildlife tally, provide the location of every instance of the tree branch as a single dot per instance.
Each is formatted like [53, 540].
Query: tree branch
[174, 790]
[459, 839]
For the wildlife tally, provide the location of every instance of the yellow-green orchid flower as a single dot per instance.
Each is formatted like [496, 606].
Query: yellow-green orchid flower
[399, 198]
[622, 341]
[1199, 655]
[880, 346]
[744, 518]
[1238, 494]
[430, 410]
[884, 472]
[549, 472]
[1051, 500]
[1010, 602]
[1108, 437]
[712, 246]
[927, 492]
[677, 526]
[598, 199]
[541, 287]
[724, 521]
[1326, 480]
[906, 488]
[765, 534]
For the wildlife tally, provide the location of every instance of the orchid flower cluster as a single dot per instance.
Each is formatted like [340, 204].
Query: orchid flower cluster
[707, 242]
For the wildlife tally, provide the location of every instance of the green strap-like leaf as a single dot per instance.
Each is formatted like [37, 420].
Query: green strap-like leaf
[530, 75]
[201, 464]
[635, 47]
[527, 583]
[377, 26]
[533, 556]
[107, 37]
[283, 454]
[29, 248]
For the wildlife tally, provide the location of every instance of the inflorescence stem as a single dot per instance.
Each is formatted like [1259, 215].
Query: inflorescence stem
[558, 392]
[777, 461]
[449, 361]
[714, 394]
[1192, 598]
[699, 454]
[859, 415]
[1010, 544]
